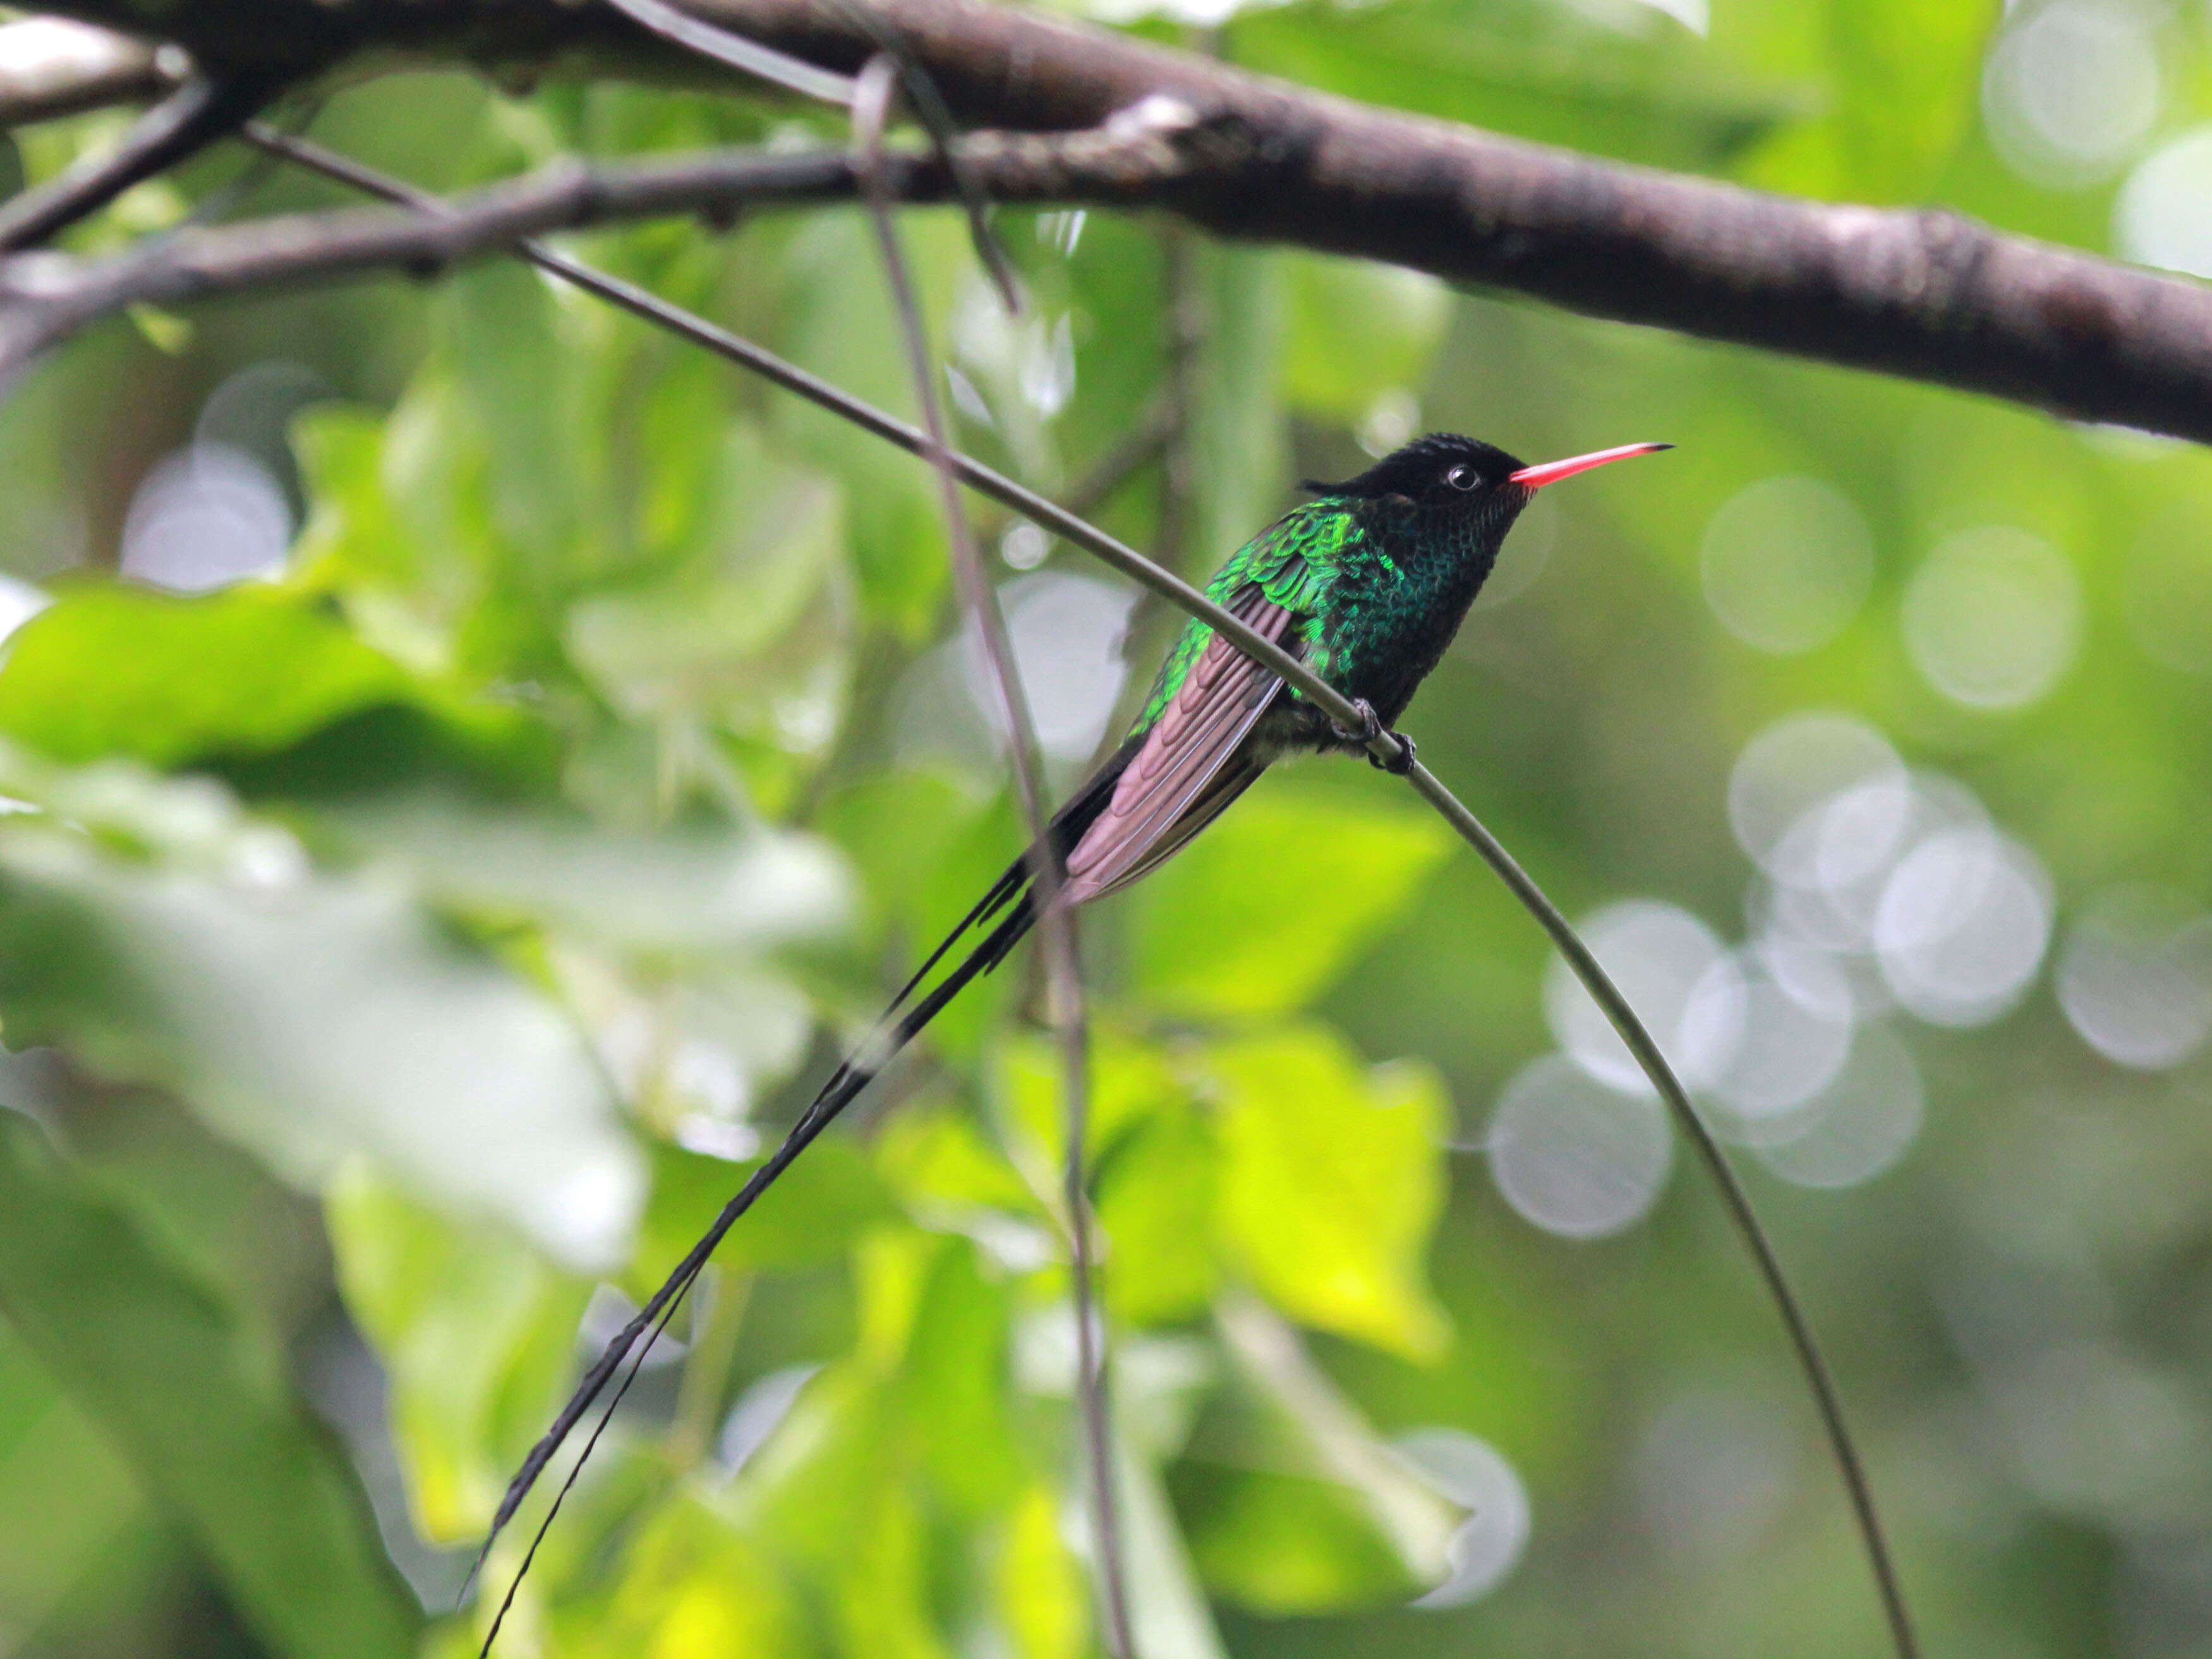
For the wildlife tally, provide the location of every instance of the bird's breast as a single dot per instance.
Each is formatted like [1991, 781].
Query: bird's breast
[1396, 613]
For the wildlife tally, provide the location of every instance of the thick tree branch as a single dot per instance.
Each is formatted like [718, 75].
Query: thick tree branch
[1925, 294]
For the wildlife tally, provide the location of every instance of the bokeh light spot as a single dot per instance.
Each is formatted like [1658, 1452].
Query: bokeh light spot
[2163, 214]
[2070, 90]
[1786, 563]
[1962, 926]
[1488, 1544]
[2135, 979]
[1066, 634]
[1574, 1157]
[1798, 764]
[1681, 984]
[1859, 1125]
[1791, 1050]
[203, 518]
[1991, 618]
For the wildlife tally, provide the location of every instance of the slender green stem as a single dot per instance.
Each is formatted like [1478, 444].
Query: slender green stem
[1056, 921]
[1386, 747]
[715, 1328]
[1733, 1198]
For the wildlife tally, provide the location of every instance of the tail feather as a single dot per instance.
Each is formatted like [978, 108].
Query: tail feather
[1014, 893]
[842, 1088]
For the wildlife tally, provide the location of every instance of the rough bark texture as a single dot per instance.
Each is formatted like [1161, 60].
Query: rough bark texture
[1925, 294]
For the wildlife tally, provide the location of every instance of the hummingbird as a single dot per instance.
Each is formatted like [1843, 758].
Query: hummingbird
[1366, 583]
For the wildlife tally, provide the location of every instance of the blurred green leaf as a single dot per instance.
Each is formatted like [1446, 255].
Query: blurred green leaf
[813, 1213]
[1129, 1079]
[477, 1334]
[938, 1159]
[303, 1017]
[114, 671]
[1239, 440]
[958, 1385]
[702, 888]
[192, 1389]
[1214, 933]
[509, 361]
[842, 327]
[1332, 1175]
[1618, 80]
[386, 533]
[754, 634]
[1906, 81]
[1358, 330]
[1319, 1516]
[69, 1499]
[1043, 1602]
[689, 1582]
[1288, 1545]
[838, 1481]
[1157, 1199]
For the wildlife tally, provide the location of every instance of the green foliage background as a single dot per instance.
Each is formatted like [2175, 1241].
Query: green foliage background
[380, 944]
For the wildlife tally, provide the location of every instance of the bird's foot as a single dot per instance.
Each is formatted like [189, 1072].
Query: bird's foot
[1400, 764]
[1370, 727]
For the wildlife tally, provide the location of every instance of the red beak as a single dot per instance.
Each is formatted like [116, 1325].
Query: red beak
[1535, 477]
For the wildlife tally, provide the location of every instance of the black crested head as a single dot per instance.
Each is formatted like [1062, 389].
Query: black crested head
[1443, 468]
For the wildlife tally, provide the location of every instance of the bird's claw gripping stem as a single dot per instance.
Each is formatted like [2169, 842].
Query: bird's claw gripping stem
[1370, 728]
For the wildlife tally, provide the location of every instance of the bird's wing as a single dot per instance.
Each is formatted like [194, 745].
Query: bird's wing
[1184, 752]
[1237, 774]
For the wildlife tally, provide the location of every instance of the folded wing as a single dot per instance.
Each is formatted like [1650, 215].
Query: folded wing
[1189, 768]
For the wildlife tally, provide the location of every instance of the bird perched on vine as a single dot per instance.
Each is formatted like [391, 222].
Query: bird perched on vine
[1366, 584]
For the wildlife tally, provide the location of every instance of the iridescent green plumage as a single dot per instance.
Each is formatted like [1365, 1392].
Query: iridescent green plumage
[1366, 585]
[1378, 571]
[1293, 562]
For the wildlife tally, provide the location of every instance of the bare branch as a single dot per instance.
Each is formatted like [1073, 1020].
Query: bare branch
[1925, 294]
[195, 115]
[51, 66]
[44, 299]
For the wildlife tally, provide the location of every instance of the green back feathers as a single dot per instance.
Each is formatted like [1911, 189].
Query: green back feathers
[1294, 561]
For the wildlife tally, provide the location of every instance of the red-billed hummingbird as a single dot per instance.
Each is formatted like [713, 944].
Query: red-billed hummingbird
[1367, 583]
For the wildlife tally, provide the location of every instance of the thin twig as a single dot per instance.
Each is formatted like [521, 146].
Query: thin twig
[1828, 1400]
[44, 301]
[1056, 921]
[929, 107]
[738, 52]
[203, 109]
[1385, 746]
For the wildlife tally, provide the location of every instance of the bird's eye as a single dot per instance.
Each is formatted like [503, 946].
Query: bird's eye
[1462, 478]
